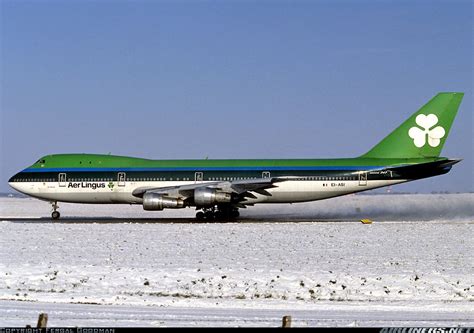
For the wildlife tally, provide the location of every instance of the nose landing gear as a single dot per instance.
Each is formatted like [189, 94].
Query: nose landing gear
[55, 214]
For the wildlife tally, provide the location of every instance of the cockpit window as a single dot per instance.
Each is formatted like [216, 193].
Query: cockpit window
[41, 161]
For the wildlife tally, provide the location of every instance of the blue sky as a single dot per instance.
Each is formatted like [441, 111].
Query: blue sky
[229, 79]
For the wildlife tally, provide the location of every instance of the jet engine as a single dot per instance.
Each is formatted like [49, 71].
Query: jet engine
[155, 201]
[204, 196]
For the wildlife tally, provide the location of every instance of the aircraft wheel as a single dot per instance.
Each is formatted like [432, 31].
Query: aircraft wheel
[55, 215]
[209, 215]
[200, 216]
[219, 216]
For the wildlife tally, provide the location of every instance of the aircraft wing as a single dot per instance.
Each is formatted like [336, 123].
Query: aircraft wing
[239, 189]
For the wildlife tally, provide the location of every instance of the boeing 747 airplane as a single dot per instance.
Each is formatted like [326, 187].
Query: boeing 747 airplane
[218, 188]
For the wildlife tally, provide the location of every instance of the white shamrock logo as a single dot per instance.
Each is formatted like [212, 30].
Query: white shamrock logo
[419, 135]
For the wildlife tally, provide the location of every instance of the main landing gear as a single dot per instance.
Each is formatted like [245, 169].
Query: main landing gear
[217, 213]
[55, 214]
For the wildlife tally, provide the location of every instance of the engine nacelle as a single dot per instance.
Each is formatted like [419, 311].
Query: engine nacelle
[204, 196]
[155, 201]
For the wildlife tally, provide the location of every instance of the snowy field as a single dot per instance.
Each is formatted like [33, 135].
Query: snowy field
[414, 266]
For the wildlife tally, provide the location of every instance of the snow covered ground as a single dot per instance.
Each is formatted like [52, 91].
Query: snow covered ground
[414, 266]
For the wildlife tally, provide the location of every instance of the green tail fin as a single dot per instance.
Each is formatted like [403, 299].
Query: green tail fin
[424, 133]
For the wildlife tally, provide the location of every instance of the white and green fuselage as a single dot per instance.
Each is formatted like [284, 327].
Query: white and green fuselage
[410, 152]
[84, 178]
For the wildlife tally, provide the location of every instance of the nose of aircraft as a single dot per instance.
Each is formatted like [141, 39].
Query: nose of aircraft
[13, 182]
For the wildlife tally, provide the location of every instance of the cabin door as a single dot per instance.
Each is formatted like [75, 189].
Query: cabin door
[121, 177]
[62, 180]
[198, 177]
[363, 179]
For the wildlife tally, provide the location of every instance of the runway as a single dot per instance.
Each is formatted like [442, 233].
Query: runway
[117, 220]
[325, 315]
[353, 208]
